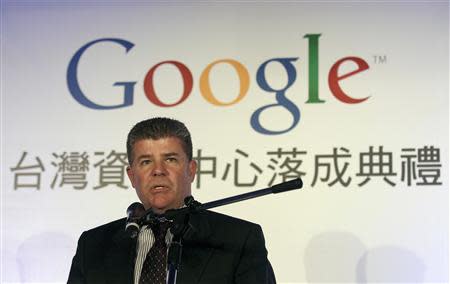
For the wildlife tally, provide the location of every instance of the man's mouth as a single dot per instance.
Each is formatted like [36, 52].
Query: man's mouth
[159, 187]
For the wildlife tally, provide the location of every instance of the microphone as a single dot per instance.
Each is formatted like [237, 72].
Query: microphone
[287, 185]
[134, 213]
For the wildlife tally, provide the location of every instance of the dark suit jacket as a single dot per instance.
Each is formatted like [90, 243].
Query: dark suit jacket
[216, 249]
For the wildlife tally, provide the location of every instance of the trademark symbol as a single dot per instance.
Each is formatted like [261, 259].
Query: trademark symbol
[380, 59]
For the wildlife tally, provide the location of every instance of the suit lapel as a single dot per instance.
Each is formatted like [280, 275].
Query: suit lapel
[119, 260]
[194, 262]
[198, 247]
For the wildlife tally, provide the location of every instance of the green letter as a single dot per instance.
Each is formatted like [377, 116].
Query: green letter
[313, 68]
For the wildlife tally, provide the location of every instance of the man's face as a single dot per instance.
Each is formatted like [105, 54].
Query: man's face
[161, 173]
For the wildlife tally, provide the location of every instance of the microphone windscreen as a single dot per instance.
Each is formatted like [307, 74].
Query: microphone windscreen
[134, 213]
[135, 210]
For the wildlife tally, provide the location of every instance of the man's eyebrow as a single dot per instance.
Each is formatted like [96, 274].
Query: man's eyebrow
[149, 156]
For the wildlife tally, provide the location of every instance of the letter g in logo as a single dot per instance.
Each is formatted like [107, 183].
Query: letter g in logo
[74, 87]
[280, 96]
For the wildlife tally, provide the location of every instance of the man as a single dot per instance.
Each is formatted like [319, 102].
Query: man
[216, 248]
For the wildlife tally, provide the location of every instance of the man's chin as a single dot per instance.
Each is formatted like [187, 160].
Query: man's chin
[159, 210]
[161, 207]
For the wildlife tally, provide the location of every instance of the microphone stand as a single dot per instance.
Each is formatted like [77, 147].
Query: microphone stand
[180, 219]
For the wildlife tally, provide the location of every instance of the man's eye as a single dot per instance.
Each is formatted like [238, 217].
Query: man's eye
[145, 162]
[171, 159]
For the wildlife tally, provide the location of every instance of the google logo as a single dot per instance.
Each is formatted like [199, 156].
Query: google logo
[334, 78]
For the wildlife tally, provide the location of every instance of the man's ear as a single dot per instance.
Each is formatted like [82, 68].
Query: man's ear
[130, 174]
[192, 169]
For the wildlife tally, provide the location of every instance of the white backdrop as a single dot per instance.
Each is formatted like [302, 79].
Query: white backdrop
[374, 206]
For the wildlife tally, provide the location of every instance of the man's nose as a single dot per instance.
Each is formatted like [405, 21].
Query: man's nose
[159, 169]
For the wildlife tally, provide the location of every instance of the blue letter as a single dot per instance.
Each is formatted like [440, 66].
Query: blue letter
[74, 87]
[280, 96]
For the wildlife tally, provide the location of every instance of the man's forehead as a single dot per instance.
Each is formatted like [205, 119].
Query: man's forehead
[144, 154]
[164, 145]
